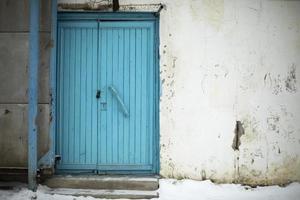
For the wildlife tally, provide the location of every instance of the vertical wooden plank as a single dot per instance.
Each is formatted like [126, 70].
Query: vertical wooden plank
[126, 72]
[110, 102]
[132, 85]
[66, 80]
[72, 97]
[115, 110]
[83, 79]
[144, 96]
[138, 93]
[87, 99]
[103, 38]
[77, 94]
[120, 87]
[94, 111]
[151, 107]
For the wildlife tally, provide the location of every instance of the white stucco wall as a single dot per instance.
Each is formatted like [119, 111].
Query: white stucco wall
[222, 62]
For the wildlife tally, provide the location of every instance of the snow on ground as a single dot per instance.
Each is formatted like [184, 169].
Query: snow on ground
[206, 190]
[180, 190]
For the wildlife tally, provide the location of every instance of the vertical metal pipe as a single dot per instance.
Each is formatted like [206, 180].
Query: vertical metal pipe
[33, 92]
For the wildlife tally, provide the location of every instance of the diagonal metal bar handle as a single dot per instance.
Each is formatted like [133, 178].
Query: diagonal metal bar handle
[121, 103]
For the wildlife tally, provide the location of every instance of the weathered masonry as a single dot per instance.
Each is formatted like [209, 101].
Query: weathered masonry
[220, 101]
[14, 68]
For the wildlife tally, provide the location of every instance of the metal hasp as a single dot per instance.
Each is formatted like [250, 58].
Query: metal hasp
[121, 103]
[33, 92]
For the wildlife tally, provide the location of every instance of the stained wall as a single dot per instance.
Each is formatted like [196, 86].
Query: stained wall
[229, 70]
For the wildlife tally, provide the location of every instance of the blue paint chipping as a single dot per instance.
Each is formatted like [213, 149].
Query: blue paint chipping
[33, 93]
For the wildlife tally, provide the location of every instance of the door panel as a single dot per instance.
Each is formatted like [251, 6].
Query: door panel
[77, 85]
[126, 60]
[114, 133]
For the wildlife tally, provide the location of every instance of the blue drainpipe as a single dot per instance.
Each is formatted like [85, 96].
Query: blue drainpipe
[33, 92]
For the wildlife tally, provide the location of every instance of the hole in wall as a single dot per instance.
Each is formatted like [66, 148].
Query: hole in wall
[238, 132]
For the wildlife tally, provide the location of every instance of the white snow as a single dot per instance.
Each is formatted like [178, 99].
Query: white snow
[179, 190]
[206, 190]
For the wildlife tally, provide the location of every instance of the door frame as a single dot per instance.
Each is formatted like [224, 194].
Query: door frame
[109, 16]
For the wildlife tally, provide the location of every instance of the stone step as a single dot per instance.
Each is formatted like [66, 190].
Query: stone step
[106, 194]
[145, 183]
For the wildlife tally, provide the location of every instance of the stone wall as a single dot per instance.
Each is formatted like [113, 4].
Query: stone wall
[14, 45]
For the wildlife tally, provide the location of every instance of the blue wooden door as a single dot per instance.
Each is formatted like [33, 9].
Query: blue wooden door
[77, 85]
[106, 97]
[127, 103]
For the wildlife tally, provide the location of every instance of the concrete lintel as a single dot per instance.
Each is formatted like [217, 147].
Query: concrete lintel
[108, 7]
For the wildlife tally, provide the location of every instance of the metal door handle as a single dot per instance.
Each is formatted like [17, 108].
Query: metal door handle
[121, 103]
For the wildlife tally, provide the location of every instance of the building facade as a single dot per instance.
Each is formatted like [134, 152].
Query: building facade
[194, 89]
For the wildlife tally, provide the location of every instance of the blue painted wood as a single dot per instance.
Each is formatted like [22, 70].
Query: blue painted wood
[126, 62]
[157, 91]
[77, 86]
[119, 99]
[33, 92]
[99, 134]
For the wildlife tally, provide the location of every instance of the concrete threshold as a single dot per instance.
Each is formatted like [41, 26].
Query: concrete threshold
[106, 194]
[103, 182]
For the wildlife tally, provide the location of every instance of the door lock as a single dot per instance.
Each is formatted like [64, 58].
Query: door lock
[98, 94]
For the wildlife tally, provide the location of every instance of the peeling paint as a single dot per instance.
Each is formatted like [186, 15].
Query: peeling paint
[277, 82]
[280, 82]
[291, 81]
[272, 122]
